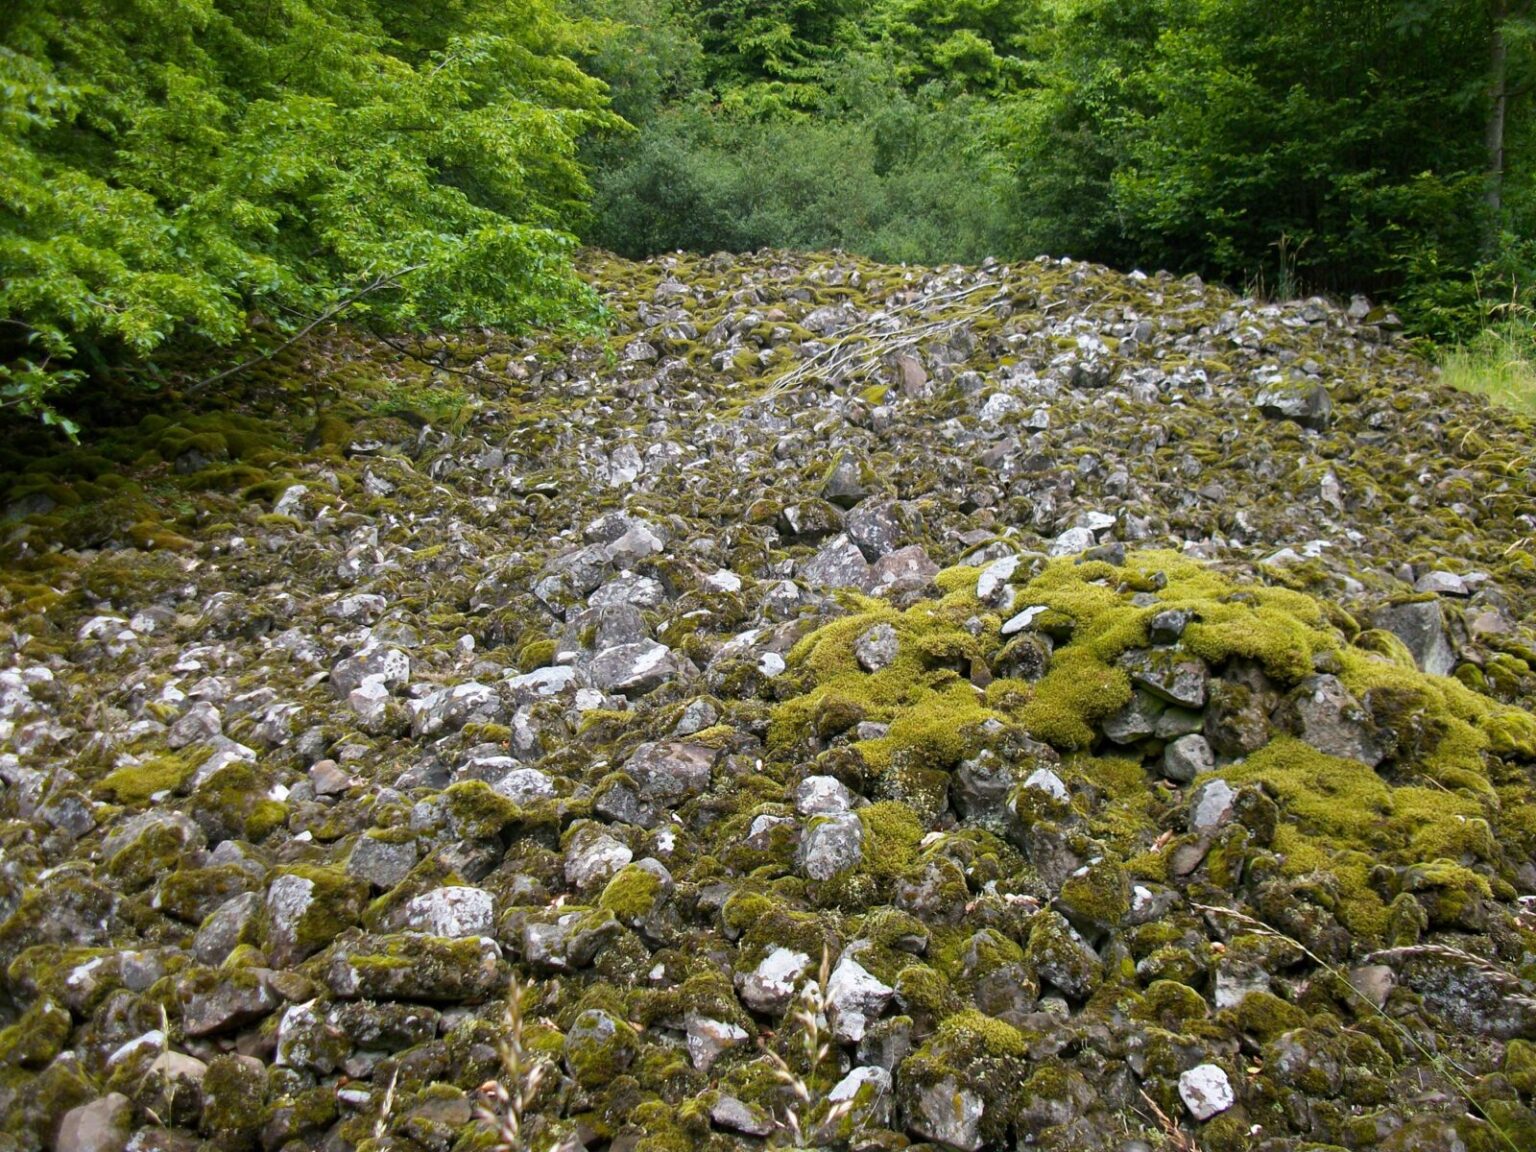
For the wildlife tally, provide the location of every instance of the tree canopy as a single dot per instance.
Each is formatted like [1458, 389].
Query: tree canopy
[169, 167]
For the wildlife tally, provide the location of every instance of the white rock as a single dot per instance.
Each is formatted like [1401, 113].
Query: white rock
[452, 911]
[770, 986]
[1206, 1091]
[994, 577]
[855, 999]
[1023, 620]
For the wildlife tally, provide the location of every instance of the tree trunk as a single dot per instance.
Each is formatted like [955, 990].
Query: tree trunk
[1498, 73]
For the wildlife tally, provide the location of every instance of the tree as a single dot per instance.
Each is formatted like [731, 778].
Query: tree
[168, 167]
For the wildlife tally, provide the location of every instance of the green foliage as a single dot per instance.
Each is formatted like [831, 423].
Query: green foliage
[896, 175]
[169, 167]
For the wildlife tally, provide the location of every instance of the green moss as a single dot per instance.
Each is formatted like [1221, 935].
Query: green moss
[536, 654]
[1264, 1016]
[134, 784]
[631, 894]
[892, 834]
[1078, 691]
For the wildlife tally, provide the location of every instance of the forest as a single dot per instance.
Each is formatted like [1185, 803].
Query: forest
[207, 176]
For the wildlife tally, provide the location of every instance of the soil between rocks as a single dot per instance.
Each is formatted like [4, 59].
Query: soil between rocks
[1120, 683]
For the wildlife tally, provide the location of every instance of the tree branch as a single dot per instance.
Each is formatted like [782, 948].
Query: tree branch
[384, 280]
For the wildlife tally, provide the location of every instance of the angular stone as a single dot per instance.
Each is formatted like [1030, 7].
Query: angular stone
[831, 845]
[1206, 1091]
[101, 1126]
[948, 1114]
[770, 986]
[877, 647]
[1186, 758]
[1421, 628]
[839, 564]
[1168, 674]
[1307, 404]
[1321, 712]
[633, 669]
[451, 911]
[855, 998]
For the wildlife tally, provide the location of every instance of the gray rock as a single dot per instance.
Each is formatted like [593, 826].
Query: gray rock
[592, 857]
[1211, 806]
[1307, 404]
[1442, 584]
[1186, 758]
[1421, 628]
[1321, 712]
[831, 845]
[822, 796]
[708, 1038]
[1073, 541]
[634, 669]
[876, 527]
[861, 1100]
[905, 568]
[229, 1005]
[877, 647]
[232, 923]
[382, 863]
[733, 1115]
[1137, 720]
[948, 1114]
[994, 579]
[1170, 675]
[839, 564]
[387, 666]
[101, 1126]
[199, 724]
[670, 772]
[849, 482]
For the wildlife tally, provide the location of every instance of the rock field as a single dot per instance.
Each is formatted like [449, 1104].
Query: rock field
[1101, 698]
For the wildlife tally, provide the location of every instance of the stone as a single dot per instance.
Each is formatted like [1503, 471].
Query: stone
[1321, 712]
[770, 987]
[1211, 806]
[855, 998]
[1309, 405]
[849, 482]
[994, 579]
[1441, 583]
[876, 648]
[451, 911]
[1168, 674]
[822, 796]
[733, 1115]
[839, 564]
[1421, 628]
[197, 725]
[381, 862]
[1186, 758]
[948, 1114]
[670, 772]
[593, 857]
[830, 845]
[633, 669]
[389, 667]
[1136, 720]
[708, 1038]
[1206, 1091]
[103, 1125]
